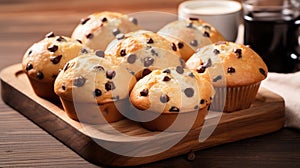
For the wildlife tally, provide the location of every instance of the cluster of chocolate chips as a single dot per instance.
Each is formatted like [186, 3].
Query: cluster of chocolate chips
[205, 33]
[116, 32]
[164, 98]
[55, 59]
[79, 81]
[230, 70]
[147, 61]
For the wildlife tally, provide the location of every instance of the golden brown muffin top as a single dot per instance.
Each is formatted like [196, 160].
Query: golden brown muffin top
[194, 33]
[142, 50]
[99, 29]
[43, 60]
[90, 78]
[229, 64]
[174, 89]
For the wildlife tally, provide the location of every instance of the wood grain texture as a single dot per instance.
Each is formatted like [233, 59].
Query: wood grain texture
[264, 116]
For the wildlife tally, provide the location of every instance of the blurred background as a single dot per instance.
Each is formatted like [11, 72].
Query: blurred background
[23, 22]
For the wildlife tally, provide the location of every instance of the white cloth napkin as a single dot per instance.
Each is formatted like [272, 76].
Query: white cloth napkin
[288, 87]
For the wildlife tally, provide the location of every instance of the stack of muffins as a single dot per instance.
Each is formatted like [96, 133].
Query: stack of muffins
[169, 79]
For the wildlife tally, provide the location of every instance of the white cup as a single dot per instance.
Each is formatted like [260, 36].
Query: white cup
[224, 15]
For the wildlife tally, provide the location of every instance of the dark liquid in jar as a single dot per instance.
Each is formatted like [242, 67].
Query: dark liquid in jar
[274, 37]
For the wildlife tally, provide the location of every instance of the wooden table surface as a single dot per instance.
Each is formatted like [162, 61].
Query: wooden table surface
[23, 144]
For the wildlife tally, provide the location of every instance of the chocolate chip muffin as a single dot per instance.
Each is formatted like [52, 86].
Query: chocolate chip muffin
[189, 35]
[98, 29]
[43, 60]
[235, 70]
[89, 86]
[172, 99]
[142, 51]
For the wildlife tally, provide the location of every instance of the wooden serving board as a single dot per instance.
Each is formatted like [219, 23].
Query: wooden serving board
[264, 116]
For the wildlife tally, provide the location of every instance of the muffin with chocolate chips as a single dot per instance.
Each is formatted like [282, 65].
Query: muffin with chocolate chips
[98, 29]
[142, 51]
[93, 90]
[189, 35]
[172, 99]
[43, 60]
[236, 72]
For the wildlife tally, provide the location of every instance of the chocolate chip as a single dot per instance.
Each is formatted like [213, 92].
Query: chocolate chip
[55, 59]
[238, 52]
[133, 20]
[49, 35]
[146, 72]
[153, 52]
[207, 27]
[182, 62]
[40, 75]
[196, 107]
[168, 71]
[63, 86]
[201, 69]
[131, 58]
[84, 51]
[110, 74]
[109, 86]
[219, 77]
[116, 31]
[206, 34]
[262, 71]
[202, 101]
[98, 68]
[189, 25]
[150, 41]
[230, 70]
[191, 75]
[144, 92]
[164, 98]
[208, 63]
[84, 20]
[194, 19]
[189, 92]
[61, 39]
[97, 92]
[174, 109]
[148, 61]
[194, 43]
[29, 66]
[53, 48]
[89, 36]
[216, 51]
[79, 81]
[30, 52]
[180, 45]
[120, 36]
[79, 41]
[166, 79]
[100, 53]
[104, 19]
[173, 45]
[66, 66]
[179, 69]
[123, 52]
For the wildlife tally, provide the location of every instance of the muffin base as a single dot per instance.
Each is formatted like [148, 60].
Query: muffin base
[165, 120]
[232, 99]
[44, 89]
[87, 112]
